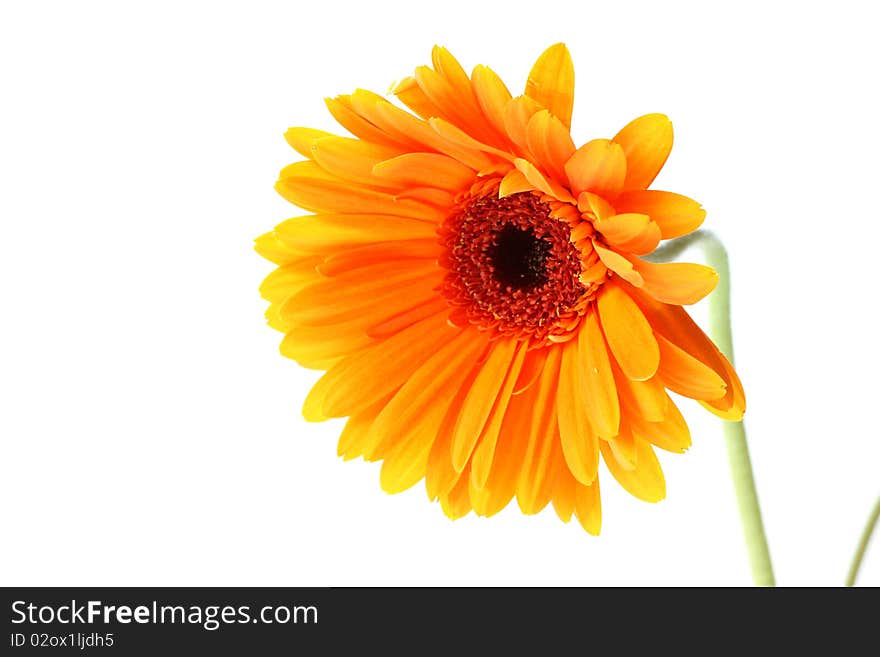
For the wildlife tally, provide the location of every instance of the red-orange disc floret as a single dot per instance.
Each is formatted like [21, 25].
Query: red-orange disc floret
[512, 267]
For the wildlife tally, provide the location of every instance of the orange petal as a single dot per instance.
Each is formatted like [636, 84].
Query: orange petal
[426, 169]
[531, 492]
[646, 141]
[564, 491]
[580, 446]
[551, 82]
[733, 404]
[671, 433]
[287, 279]
[599, 166]
[643, 399]
[410, 94]
[517, 114]
[342, 110]
[598, 379]
[457, 502]
[676, 215]
[684, 374]
[623, 449]
[368, 375]
[618, 264]
[274, 249]
[630, 232]
[325, 233]
[645, 481]
[514, 182]
[381, 253]
[328, 195]
[595, 205]
[588, 507]
[351, 159]
[508, 457]
[675, 324]
[492, 96]
[628, 333]
[481, 461]
[404, 126]
[314, 346]
[328, 296]
[551, 144]
[481, 398]
[425, 396]
[455, 135]
[539, 182]
[678, 283]
[301, 139]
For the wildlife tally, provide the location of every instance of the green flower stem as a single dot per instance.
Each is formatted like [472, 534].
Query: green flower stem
[734, 432]
[863, 545]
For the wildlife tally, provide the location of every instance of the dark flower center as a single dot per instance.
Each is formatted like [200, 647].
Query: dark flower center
[512, 267]
[518, 256]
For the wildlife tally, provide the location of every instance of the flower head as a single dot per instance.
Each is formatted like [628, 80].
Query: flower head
[472, 283]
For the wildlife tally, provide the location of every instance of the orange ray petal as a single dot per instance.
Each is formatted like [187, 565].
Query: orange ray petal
[580, 447]
[314, 346]
[647, 142]
[342, 110]
[514, 182]
[426, 169]
[381, 253]
[601, 393]
[678, 283]
[645, 481]
[644, 399]
[618, 264]
[676, 325]
[428, 390]
[564, 492]
[676, 215]
[410, 94]
[353, 437]
[539, 182]
[478, 404]
[301, 139]
[623, 449]
[368, 375]
[599, 166]
[287, 279]
[551, 144]
[457, 502]
[510, 452]
[532, 494]
[329, 295]
[410, 435]
[326, 233]
[517, 114]
[551, 82]
[327, 195]
[733, 404]
[671, 434]
[628, 333]
[634, 233]
[684, 374]
[352, 159]
[484, 452]
[588, 507]
[273, 248]
[492, 96]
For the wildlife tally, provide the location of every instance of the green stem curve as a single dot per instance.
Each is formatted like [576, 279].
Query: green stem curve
[862, 547]
[734, 432]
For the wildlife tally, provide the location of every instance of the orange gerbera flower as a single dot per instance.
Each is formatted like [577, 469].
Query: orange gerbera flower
[471, 282]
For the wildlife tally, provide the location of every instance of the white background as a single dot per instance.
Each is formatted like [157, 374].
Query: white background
[151, 431]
